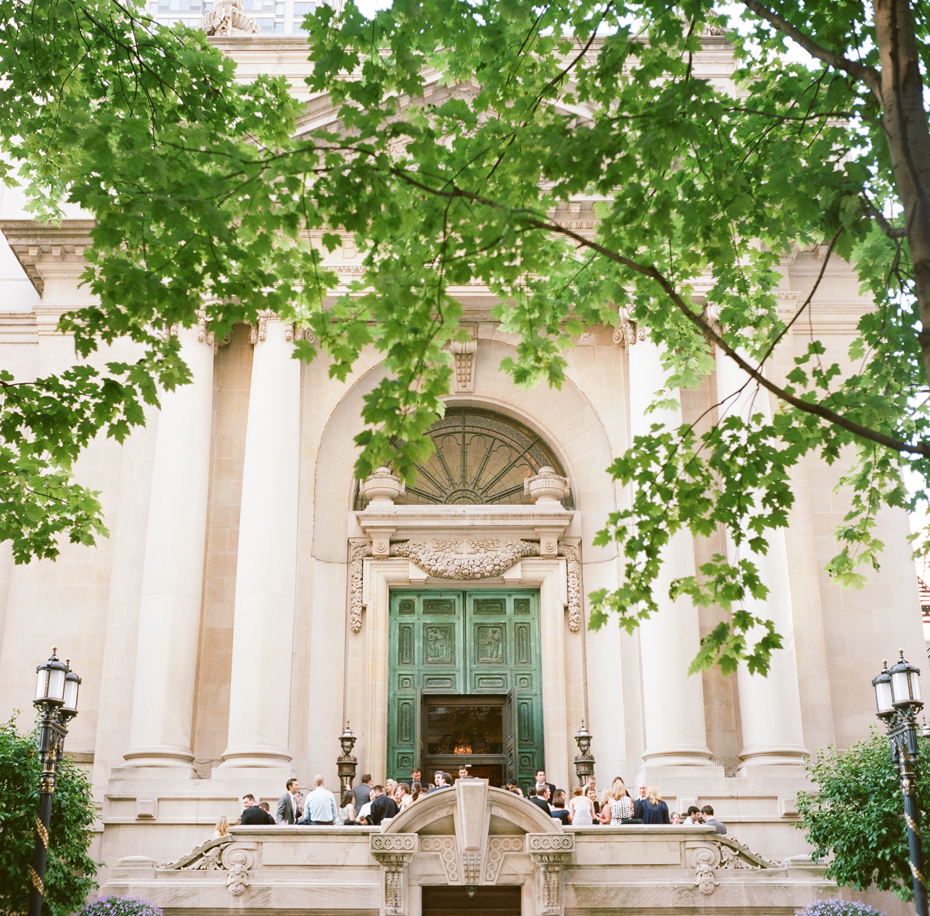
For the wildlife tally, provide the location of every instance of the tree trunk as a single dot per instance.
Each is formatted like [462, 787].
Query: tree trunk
[908, 138]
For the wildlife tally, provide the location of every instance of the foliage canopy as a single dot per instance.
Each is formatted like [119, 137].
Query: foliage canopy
[856, 814]
[455, 150]
[69, 875]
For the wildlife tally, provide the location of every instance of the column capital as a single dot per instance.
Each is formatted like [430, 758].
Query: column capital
[259, 332]
[627, 332]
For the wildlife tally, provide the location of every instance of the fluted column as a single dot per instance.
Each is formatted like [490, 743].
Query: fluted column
[673, 702]
[266, 566]
[770, 707]
[172, 579]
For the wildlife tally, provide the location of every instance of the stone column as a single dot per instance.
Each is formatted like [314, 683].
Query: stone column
[770, 707]
[172, 579]
[673, 702]
[266, 566]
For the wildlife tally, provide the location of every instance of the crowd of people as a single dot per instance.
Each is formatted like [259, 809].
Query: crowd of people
[370, 804]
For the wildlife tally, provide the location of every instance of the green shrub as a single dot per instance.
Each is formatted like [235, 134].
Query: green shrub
[69, 875]
[857, 814]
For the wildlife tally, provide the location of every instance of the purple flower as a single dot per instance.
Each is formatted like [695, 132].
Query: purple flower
[839, 908]
[120, 906]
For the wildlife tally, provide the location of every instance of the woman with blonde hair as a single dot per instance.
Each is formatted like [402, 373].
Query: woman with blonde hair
[222, 827]
[621, 805]
[653, 809]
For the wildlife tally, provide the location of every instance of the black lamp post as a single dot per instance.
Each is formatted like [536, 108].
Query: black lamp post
[584, 761]
[56, 699]
[897, 698]
[346, 764]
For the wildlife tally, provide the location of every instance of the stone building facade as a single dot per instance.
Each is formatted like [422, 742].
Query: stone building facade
[253, 598]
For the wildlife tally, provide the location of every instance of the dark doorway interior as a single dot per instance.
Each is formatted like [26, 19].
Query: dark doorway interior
[465, 730]
[487, 901]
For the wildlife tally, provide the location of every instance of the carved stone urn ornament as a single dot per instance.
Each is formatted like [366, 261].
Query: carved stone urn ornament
[546, 486]
[382, 487]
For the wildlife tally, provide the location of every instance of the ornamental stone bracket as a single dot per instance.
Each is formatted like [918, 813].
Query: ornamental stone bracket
[394, 851]
[238, 859]
[550, 853]
[720, 852]
[464, 353]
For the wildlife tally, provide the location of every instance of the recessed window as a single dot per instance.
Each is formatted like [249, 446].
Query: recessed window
[482, 458]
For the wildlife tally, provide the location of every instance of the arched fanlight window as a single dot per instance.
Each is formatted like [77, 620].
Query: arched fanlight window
[481, 459]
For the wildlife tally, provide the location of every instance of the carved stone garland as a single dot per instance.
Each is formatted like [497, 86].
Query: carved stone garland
[227, 18]
[574, 587]
[360, 550]
[485, 561]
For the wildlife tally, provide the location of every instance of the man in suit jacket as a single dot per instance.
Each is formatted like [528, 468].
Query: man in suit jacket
[540, 799]
[541, 781]
[382, 806]
[253, 814]
[288, 808]
[711, 821]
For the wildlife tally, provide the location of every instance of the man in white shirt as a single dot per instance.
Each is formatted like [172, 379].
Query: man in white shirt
[319, 805]
[694, 818]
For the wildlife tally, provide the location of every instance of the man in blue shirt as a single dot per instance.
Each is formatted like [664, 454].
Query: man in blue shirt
[319, 805]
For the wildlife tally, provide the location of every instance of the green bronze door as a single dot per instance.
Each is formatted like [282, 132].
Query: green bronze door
[465, 682]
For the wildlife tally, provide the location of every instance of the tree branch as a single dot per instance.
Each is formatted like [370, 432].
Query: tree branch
[867, 75]
[651, 272]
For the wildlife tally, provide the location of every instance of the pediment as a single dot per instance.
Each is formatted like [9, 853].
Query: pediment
[322, 114]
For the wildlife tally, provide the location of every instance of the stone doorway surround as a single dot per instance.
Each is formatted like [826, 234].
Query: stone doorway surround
[465, 547]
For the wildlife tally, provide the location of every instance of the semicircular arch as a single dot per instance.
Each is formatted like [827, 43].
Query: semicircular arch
[521, 815]
[566, 420]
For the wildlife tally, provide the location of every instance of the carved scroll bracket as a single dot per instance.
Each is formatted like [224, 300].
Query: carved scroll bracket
[627, 332]
[238, 859]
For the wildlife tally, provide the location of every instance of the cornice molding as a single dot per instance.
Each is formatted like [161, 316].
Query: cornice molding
[40, 245]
